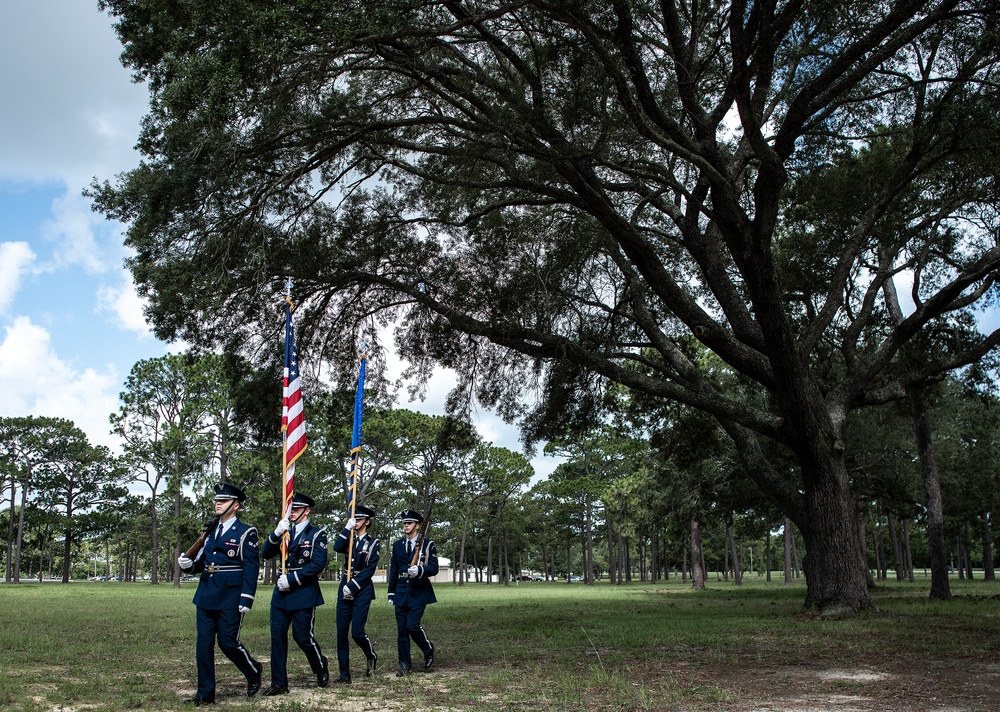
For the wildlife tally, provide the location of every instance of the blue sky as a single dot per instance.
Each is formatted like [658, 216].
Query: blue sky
[71, 325]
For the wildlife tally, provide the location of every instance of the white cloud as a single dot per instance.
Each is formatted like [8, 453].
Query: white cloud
[35, 381]
[15, 259]
[72, 230]
[125, 305]
[73, 111]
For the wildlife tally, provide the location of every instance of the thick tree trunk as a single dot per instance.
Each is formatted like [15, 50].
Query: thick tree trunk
[940, 588]
[835, 570]
[697, 560]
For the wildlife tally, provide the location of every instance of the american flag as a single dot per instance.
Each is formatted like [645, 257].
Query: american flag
[293, 420]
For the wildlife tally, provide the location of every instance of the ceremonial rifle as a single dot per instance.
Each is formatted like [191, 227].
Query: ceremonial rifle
[196, 547]
[423, 534]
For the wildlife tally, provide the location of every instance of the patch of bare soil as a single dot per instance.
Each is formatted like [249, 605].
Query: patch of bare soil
[963, 687]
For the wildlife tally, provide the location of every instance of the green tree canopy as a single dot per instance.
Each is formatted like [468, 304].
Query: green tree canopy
[553, 194]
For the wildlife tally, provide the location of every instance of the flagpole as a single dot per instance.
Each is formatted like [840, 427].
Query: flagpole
[352, 485]
[285, 498]
[293, 425]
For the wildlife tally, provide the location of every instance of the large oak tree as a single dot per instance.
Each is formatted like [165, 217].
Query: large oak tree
[559, 194]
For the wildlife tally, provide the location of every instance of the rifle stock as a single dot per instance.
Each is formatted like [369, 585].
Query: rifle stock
[200, 542]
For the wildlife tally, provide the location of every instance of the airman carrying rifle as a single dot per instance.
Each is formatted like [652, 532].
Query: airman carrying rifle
[228, 563]
[414, 562]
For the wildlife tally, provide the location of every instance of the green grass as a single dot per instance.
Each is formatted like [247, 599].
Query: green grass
[553, 646]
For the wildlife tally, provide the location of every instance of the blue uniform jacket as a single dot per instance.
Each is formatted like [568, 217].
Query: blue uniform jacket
[365, 556]
[417, 591]
[306, 561]
[228, 568]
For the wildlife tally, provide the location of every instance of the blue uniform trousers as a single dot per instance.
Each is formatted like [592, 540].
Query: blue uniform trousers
[407, 627]
[354, 615]
[302, 623]
[225, 625]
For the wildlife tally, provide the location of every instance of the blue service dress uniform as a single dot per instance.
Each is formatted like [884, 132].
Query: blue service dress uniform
[409, 596]
[353, 613]
[296, 607]
[228, 568]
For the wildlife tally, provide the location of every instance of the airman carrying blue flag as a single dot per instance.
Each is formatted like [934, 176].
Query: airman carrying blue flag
[352, 482]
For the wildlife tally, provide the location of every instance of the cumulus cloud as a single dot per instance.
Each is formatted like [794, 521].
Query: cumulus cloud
[72, 229]
[125, 306]
[16, 258]
[35, 381]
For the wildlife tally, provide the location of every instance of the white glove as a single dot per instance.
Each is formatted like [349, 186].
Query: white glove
[391, 596]
[351, 523]
[281, 528]
[346, 591]
[283, 584]
[184, 562]
[244, 609]
[413, 571]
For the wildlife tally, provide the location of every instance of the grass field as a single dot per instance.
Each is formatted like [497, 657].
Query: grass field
[533, 646]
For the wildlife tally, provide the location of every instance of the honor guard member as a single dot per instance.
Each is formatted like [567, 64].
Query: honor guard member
[410, 589]
[228, 564]
[355, 596]
[296, 593]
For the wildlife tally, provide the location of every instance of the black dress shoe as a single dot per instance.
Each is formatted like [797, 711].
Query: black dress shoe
[199, 701]
[323, 676]
[402, 672]
[370, 667]
[275, 690]
[253, 684]
[429, 659]
[343, 680]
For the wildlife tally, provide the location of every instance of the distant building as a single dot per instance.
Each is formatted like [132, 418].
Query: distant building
[443, 574]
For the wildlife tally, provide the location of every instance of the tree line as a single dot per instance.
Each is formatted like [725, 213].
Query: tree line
[644, 496]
